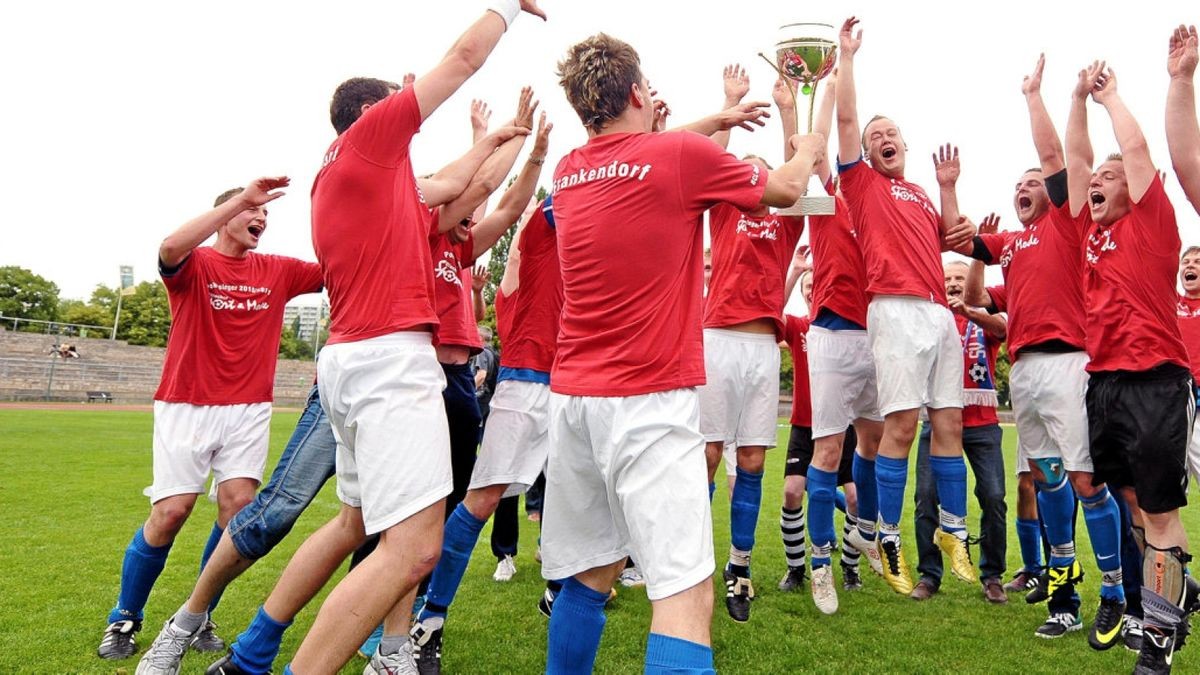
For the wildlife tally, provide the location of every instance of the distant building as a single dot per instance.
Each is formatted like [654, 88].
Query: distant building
[309, 315]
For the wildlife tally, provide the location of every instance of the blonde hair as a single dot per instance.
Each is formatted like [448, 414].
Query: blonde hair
[597, 75]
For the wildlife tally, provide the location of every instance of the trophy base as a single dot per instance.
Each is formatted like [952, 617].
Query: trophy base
[814, 205]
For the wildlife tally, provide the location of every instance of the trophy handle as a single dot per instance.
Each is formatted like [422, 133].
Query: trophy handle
[812, 97]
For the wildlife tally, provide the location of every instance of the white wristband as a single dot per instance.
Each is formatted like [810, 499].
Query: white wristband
[507, 9]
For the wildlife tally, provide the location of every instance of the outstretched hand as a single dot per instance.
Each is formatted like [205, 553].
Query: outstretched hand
[480, 115]
[737, 83]
[800, 261]
[960, 235]
[784, 94]
[848, 40]
[479, 278]
[525, 108]
[531, 7]
[744, 115]
[1105, 88]
[264, 190]
[541, 142]
[502, 134]
[1182, 54]
[945, 165]
[1087, 80]
[990, 224]
[1032, 83]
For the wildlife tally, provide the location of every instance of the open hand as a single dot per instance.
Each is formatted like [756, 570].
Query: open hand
[1182, 55]
[525, 108]
[480, 114]
[1087, 80]
[737, 83]
[479, 278]
[1105, 88]
[1032, 83]
[264, 190]
[990, 224]
[945, 165]
[541, 142]
[848, 40]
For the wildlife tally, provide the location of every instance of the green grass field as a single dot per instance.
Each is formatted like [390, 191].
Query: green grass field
[70, 495]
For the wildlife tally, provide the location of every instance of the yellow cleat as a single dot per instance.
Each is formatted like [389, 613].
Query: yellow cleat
[895, 569]
[960, 557]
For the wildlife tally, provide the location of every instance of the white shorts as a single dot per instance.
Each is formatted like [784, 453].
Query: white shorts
[383, 397]
[740, 401]
[191, 440]
[841, 373]
[918, 354]
[627, 477]
[1048, 403]
[516, 438]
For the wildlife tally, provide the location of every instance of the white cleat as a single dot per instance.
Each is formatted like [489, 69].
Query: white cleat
[823, 592]
[506, 569]
[866, 549]
[399, 663]
[166, 652]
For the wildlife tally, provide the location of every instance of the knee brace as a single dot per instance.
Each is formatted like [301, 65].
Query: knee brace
[1053, 471]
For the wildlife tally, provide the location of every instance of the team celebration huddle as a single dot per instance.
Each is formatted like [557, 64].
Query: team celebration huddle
[635, 362]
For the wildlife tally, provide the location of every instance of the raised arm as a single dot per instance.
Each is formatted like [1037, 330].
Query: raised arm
[800, 265]
[468, 54]
[786, 103]
[1183, 132]
[479, 279]
[1079, 156]
[451, 180]
[823, 123]
[1045, 137]
[849, 133]
[179, 244]
[786, 184]
[737, 85]
[974, 291]
[1135, 152]
[517, 197]
[743, 115]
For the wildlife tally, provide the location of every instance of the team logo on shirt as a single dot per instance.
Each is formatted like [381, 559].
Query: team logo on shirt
[447, 269]
[220, 301]
[330, 156]
[767, 228]
[903, 192]
[615, 169]
[1185, 312]
[1019, 244]
[1100, 242]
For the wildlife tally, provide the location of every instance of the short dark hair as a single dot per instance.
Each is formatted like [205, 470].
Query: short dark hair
[227, 195]
[348, 99]
[597, 75]
[876, 118]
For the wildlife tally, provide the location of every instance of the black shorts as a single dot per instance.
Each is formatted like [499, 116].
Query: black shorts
[800, 454]
[1138, 427]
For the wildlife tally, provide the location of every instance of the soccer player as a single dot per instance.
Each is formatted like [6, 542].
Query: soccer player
[227, 313]
[1140, 396]
[1042, 267]
[918, 356]
[743, 324]
[626, 473]
[982, 333]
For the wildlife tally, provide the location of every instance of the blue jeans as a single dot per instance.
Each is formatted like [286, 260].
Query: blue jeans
[303, 469]
[981, 446]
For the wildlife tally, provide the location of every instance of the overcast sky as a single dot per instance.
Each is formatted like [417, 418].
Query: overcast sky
[124, 119]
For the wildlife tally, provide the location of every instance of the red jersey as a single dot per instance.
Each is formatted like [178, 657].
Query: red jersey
[1043, 275]
[369, 226]
[839, 274]
[1188, 313]
[628, 210]
[452, 291]
[999, 296]
[795, 334]
[980, 352]
[750, 257]
[538, 302]
[1130, 271]
[503, 305]
[899, 231]
[226, 317]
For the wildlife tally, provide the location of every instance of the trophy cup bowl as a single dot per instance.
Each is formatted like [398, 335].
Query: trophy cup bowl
[804, 54]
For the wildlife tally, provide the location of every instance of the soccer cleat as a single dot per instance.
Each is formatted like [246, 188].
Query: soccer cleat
[1023, 581]
[631, 577]
[1038, 593]
[895, 569]
[546, 602]
[738, 594]
[823, 593]
[955, 548]
[1106, 628]
[851, 580]
[1158, 646]
[207, 640]
[371, 645]
[224, 666]
[398, 663]
[506, 569]
[793, 579]
[119, 640]
[1059, 625]
[426, 649]
[166, 652]
[866, 549]
[1132, 634]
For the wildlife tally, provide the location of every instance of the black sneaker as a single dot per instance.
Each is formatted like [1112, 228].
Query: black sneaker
[546, 602]
[427, 649]
[1132, 634]
[738, 594]
[119, 640]
[851, 579]
[207, 640]
[793, 580]
[224, 666]
[1058, 625]
[1158, 646]
[1039, 590]
[1106, 628]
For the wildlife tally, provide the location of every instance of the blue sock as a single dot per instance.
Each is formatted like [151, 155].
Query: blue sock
[575, 628]
[839, 500]
[256, 648]
[1029, 536]
[891, 475]
[209, 547]
[822, 485]
[950, 474]
[712, 490]
[666, 655]
[743, 509]
[868, 495]
[1103, 519]
[461, 534]
[1056, 505]
[143, 563]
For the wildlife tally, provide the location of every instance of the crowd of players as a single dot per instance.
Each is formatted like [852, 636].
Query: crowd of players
[628, 399]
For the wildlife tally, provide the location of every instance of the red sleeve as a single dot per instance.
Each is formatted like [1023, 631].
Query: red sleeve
[383, 133]
[709, 175]
[854, 180]
[179, 279]
[999, 296]
[304, 277]
[1156, 219]
[1074, 226]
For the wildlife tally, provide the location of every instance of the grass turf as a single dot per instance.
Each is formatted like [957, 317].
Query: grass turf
[70, 494]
